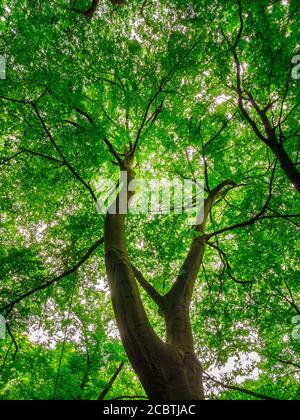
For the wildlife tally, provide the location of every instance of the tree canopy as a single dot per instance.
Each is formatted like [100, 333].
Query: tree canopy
[197, 90]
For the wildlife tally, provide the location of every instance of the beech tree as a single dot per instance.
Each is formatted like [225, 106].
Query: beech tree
[122, 305]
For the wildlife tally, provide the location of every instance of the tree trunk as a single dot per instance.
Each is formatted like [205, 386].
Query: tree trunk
[167, 370]
[286, 163]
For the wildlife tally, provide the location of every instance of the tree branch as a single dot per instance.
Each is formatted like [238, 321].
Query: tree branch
[18, 101]
[49, 135]
[226, 265]
[6, 357]
[111, 381]
[85, 114]
[241, 25]
[259, 216]
[72, 270]
[74, 124]
[113, 151]
[270, 139]
[224, 126]
[52, 159]
[145, 118]
[150, 290]
[239, 88]
[143, 6]
[3, 162]
[184, 283]
[286, 362]
[252, 221]
[239, 389]
[13, 341]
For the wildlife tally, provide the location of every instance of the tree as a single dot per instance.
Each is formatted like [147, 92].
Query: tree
[155, 90]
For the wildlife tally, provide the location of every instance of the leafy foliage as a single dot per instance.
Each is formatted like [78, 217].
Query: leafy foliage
[73, 82]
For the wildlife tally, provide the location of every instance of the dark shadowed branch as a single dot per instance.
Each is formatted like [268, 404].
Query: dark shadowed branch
[68, 165]
[240, 389]
[269, 137]
[261, 215]
[6, 160]
[13, 340]
[6, 356]
[252, 221]
[111, 381]
[226, 264]
[9, 307]
[112, 151]
[150, 290]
